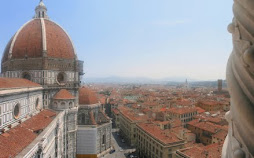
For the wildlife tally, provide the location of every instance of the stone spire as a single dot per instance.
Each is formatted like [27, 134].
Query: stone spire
[41, 11]
[186, 84]
[240, 81]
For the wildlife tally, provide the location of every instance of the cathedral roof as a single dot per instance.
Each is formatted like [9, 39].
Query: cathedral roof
[86, 96]
[12, 142]
[40, 37]
[64, 94]
[16, 83]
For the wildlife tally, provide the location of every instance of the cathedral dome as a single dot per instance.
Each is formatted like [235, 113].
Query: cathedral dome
[87, 97]
[40, 37]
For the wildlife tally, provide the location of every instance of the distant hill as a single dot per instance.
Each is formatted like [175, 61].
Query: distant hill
[144, 80]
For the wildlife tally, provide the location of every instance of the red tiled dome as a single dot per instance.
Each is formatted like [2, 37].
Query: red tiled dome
[38, 36]
[86, 96]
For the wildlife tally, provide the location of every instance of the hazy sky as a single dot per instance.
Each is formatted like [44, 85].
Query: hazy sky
[137, 38]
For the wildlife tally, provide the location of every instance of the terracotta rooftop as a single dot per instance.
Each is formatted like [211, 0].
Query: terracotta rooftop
[211, 102]
[193, 144]
[183, 110]
[200, 110]
[115, 111]
[183, 102]
[164, 136]
[163, 109]
[87, 96]
[18, 138]
[64, 94]
[16, 83]
[131, 115]
[207, 126]
[209, 151]
[102, 100]
[218, 119]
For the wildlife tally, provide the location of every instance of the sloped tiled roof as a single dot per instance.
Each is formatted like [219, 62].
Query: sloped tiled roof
[209, 151]
[16, 83]
[64, 94]
[164, 136]
[18, 138]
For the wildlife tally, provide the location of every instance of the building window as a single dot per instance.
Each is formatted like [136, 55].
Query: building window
[83, 118]
[26, 75]
[63, 104]
[61, 78]
[71, 104]
[16, 111]
[37, 106]
[103, 139]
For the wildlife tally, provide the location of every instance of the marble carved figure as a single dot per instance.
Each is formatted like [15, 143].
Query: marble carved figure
[240, 78]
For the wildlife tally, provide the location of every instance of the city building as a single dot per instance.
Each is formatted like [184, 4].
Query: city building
[127, 121]
[157, 143]
[184, 114]
[219, 85]
[219, 137]
[204, 130]
[115, 118]
[213, 151]
[212, 105]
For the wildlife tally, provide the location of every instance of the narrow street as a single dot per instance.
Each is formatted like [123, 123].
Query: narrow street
[118, 145]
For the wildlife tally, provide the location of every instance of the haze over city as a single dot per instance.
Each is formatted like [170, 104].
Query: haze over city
[145, 38]
[127, 79]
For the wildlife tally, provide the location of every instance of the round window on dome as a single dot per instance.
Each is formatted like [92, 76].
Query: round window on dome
[61, 78]
[26, 75]
[16, 111]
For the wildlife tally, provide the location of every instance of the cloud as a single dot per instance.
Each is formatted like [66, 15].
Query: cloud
[171, 23]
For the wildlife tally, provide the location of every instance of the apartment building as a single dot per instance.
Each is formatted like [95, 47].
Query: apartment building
[127, 124]
[212, 105]
[204, 130]
[184, 114]
[157, 143]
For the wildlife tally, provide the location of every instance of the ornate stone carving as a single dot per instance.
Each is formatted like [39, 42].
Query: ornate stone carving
[240, 77]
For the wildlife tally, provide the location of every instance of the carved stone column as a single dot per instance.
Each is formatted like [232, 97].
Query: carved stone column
[240, 79]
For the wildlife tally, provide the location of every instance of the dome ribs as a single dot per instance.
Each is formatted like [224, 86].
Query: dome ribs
[58, 43]
[29, 41]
